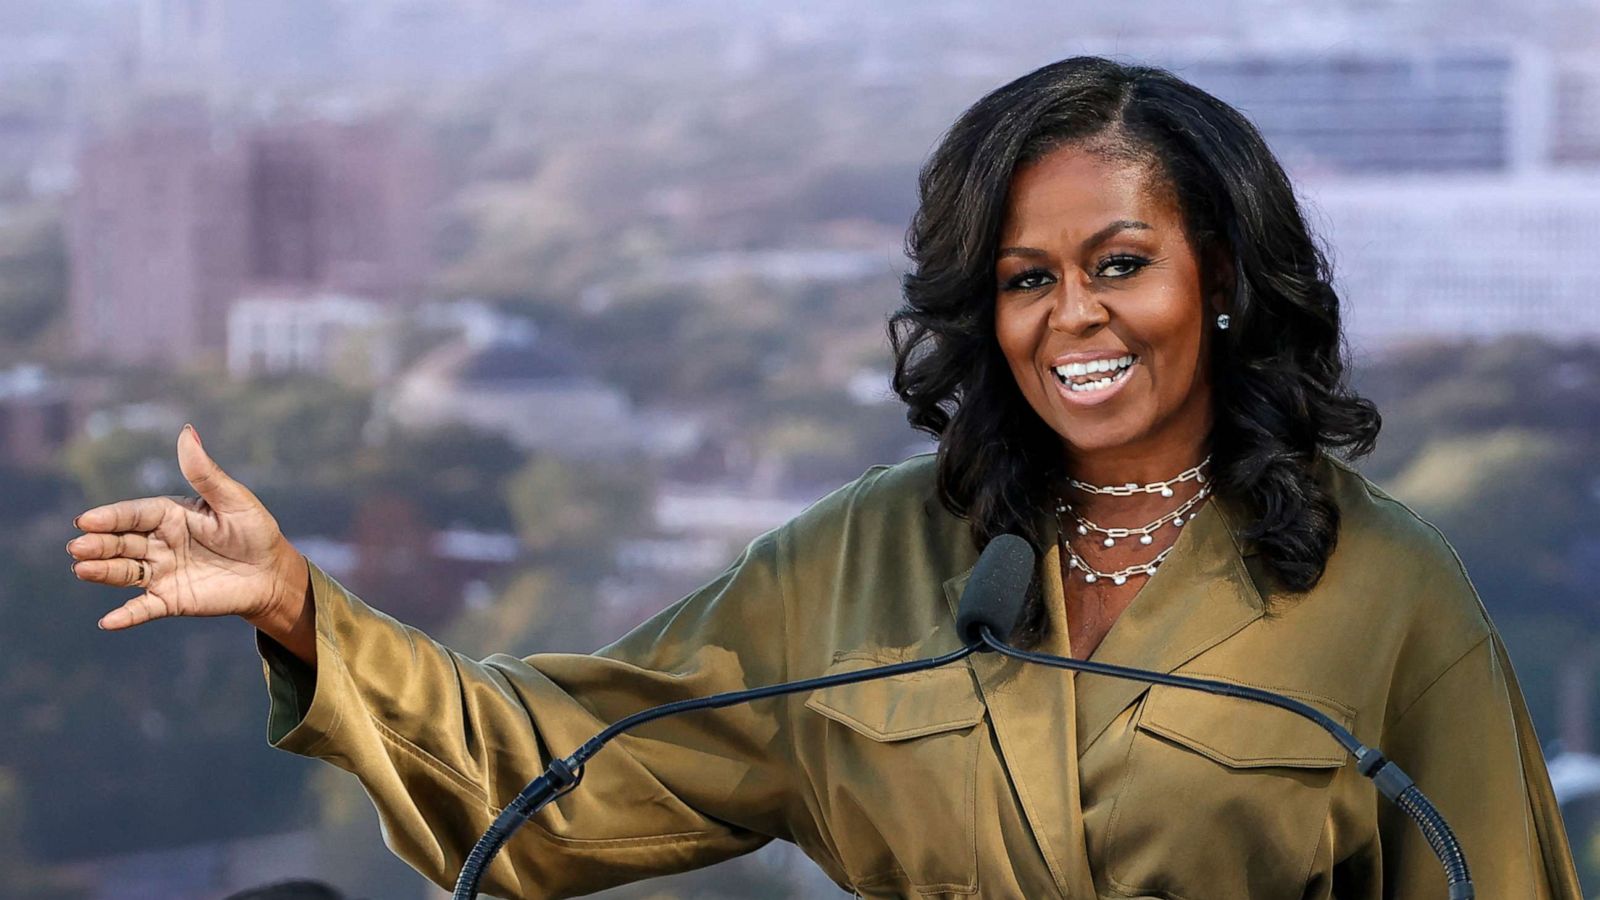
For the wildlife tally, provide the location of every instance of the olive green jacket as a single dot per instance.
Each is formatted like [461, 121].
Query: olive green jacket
[987, 778]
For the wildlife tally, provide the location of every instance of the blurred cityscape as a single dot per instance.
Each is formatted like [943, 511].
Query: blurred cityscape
[523, 316]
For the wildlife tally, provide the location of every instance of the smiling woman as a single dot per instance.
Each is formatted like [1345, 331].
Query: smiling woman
[1091, 211]
[1125, 340]
[1101, 326]
[1124, 299]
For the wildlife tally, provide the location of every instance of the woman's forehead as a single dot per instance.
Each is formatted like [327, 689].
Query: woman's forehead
[1073, 190]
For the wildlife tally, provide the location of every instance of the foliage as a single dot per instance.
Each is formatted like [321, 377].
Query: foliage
[33, 273]
[120, 465]
[573, 513]
[1496, 445]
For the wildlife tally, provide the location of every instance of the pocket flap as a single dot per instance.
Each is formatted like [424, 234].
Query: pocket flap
[901, 706]
[1243, 733]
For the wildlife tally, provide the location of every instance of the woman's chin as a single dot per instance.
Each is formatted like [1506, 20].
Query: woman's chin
[1113, 433]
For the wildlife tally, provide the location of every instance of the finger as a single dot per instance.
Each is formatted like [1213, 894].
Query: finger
[214, 486]
[109, 546]
[137, 611]
[113, 572]
[143, 514]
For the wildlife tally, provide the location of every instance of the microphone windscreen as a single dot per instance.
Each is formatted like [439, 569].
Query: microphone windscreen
[996, 589]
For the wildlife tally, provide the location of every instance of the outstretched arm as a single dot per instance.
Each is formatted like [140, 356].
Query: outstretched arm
[442, 742]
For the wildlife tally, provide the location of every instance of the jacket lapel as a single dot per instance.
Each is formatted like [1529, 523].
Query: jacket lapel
[1045, 718]
[1031, 712]
[1202, 595]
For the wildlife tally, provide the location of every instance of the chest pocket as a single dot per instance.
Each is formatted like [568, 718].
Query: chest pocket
[895, 772]
[1221, 797]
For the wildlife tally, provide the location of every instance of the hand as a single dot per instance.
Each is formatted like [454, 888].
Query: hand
[217, 554]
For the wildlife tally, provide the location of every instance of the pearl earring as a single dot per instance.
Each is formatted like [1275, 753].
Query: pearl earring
[1222, 321]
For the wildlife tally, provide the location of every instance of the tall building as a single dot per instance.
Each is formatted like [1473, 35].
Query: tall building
[1576, 140]
[176, 217]
[156, 237]
[1463, 257]
[340, 206]
[1457, 187]
[1388, 110]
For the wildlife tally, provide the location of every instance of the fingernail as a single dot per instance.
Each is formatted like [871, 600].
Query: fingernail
[75, 521]
[196, 432]
[74, 570]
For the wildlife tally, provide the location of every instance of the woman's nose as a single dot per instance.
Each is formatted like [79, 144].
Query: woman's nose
[1076, 310]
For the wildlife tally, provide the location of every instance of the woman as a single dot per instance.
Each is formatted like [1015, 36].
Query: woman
[1126, 342]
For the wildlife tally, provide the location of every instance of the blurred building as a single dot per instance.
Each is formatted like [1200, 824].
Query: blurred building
[342, 206]
[533, 391]
[349, 338]
[1457, 186]
[35, 417]
[1464, 257]
[156, 237]
[176, 217]
[1386, 110]
[1576, 118]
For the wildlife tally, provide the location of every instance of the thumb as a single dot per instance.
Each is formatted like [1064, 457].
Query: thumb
[202, 472]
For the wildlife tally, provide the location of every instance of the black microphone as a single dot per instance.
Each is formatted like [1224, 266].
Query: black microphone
[996, 590]
[990, 604]
[991, 617]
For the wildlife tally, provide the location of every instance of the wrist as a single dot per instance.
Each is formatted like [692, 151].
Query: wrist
[289, 617]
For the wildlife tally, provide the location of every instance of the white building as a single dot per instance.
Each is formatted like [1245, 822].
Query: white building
[1467, 256]
[329, 334]
[529, 390]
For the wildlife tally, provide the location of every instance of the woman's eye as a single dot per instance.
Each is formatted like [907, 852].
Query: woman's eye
[1029, 280]
[1127, 265]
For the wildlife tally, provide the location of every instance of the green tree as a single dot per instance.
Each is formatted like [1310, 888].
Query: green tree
[33, 273]
[572, 513]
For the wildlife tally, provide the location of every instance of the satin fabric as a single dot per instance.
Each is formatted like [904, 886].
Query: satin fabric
[990, 778]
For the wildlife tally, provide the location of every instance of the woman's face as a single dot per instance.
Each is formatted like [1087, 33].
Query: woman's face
[1094, 267]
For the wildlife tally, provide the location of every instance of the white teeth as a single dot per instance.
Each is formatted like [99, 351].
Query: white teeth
[1098, 385]
[1073, 370]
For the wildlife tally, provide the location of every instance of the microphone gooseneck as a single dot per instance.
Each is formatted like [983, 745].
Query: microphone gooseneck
[1390, 780]
[992, 599]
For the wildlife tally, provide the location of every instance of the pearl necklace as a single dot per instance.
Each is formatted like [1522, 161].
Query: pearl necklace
[1084, 526]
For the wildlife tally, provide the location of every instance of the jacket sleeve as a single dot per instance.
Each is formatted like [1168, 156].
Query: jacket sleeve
[442, 742]
[1469, 744]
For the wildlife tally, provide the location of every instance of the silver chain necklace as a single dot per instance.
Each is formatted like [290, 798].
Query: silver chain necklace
[1084, 526]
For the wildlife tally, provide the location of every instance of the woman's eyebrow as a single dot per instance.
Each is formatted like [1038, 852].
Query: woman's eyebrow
[1090, 241]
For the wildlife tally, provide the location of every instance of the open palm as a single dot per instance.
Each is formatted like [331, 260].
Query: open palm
[220, 553]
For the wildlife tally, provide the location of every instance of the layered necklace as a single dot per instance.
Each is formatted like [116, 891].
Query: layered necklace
[1175, 518]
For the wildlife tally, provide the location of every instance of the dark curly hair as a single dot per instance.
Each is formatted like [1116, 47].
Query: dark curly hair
[1280, 397]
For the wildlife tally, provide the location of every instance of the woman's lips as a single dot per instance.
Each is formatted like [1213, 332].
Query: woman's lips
[1098, 396]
